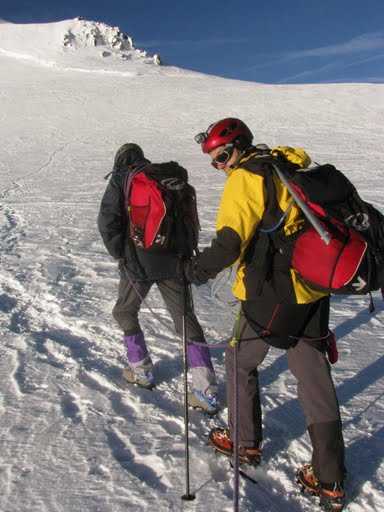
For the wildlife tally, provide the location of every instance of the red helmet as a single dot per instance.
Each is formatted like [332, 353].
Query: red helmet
[226, 131]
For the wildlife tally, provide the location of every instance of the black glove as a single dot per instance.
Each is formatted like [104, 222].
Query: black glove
[128, 271]
[194, 274]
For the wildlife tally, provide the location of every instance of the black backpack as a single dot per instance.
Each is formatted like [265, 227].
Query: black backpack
[353, 260]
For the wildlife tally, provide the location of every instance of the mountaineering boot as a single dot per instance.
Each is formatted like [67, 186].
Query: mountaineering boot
[207, 402]
[140, 367]
[220, 439]
[141, 375]
[204, 384]
[332, 495]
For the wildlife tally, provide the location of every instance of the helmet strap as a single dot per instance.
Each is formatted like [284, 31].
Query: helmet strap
[241, 154]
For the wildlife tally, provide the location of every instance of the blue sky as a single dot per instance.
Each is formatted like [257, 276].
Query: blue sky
[275, 41]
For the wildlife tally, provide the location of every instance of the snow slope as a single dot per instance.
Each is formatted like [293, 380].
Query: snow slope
[72, 438]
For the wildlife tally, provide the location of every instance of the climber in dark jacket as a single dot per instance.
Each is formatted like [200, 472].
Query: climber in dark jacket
[139, 270]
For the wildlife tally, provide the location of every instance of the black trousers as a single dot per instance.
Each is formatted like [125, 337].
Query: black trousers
[316, 394]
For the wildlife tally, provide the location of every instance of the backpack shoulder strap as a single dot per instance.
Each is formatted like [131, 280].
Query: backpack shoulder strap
[262, 167]
[127, 184]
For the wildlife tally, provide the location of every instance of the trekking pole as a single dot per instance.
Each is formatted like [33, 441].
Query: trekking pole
[234, 343]
[187, 293]
[323, 233]
[236, 465]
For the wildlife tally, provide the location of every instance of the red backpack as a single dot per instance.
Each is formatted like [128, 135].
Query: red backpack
[161, 207]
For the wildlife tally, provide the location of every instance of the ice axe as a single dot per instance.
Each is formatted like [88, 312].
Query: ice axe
[323, 233]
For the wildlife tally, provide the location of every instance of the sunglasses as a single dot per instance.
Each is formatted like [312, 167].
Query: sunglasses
[223, 157]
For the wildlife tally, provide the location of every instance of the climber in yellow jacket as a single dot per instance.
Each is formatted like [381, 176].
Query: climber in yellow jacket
[256, 218]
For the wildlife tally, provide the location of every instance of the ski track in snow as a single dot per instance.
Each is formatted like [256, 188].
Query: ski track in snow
[75, 438]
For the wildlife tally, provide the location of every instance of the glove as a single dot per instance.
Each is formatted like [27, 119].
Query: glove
[128, 270]
[193, 273]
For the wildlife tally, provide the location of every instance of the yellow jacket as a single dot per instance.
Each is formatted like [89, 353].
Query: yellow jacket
[242, 207]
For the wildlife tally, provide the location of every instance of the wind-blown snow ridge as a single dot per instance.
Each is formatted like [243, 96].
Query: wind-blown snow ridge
[76, 44]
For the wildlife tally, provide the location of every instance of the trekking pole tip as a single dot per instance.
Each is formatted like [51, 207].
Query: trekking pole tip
[188, 497]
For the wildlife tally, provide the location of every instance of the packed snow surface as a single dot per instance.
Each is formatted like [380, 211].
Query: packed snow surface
[74, 439]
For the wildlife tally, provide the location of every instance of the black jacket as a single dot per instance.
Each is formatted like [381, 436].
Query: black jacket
[113, 224]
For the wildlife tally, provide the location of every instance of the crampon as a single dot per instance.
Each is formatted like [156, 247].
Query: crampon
[332, 496]
[220, 439]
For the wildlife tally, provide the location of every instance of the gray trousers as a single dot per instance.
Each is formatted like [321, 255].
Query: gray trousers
[126, 313]
[127, 307]
[316, 394]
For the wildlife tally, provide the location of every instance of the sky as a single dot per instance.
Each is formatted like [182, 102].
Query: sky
[301, 41]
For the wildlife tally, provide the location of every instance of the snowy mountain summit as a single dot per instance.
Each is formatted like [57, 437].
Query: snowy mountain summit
[89, 34]
[76, 44]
